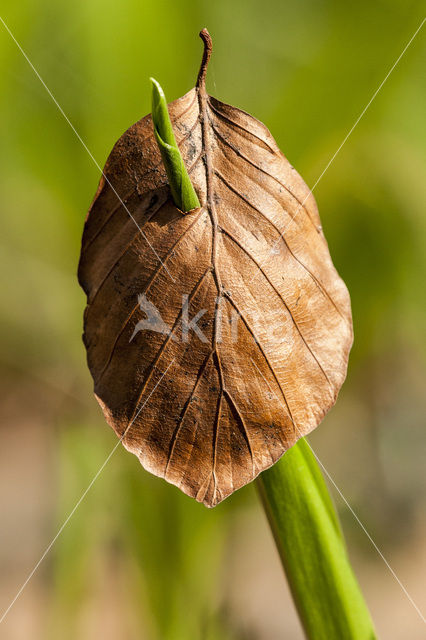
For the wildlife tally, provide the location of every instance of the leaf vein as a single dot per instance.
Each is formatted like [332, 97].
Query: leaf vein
[252, 206]
[253, 259]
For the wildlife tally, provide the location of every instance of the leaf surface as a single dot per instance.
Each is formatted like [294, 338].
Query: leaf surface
[210, 409]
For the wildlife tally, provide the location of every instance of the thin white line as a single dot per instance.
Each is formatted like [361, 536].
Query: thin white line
[369, 536]
[82, 142]
[64, 524]
[292, 219]
[370, 101]
[349, 506]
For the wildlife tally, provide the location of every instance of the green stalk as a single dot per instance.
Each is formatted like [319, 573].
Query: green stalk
[312, 549]
[296, 499]
[183, 192]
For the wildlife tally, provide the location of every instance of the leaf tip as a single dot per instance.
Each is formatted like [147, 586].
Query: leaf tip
[157, 92]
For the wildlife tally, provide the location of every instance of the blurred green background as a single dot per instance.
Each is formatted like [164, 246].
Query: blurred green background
[138, 559]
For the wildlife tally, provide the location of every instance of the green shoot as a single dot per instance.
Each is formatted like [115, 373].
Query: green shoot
[183, 193]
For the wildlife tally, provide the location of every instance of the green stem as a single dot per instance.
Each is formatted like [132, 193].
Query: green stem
[312, 549]
[183, 192]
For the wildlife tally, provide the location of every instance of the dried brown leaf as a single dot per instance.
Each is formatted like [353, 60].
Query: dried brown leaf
[228, 407]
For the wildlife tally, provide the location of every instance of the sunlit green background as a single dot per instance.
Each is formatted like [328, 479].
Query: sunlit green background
[139, 560]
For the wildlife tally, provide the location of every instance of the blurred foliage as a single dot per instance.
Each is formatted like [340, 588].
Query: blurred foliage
[307, 70]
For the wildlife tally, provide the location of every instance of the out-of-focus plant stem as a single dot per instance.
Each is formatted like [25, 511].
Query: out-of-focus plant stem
[312, 549]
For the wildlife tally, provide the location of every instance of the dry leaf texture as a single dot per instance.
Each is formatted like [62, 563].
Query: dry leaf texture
[274, 326]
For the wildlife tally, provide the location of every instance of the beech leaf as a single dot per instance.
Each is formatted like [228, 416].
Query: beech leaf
[218, 338]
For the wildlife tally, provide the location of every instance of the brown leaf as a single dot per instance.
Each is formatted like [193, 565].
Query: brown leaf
[253, 261]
